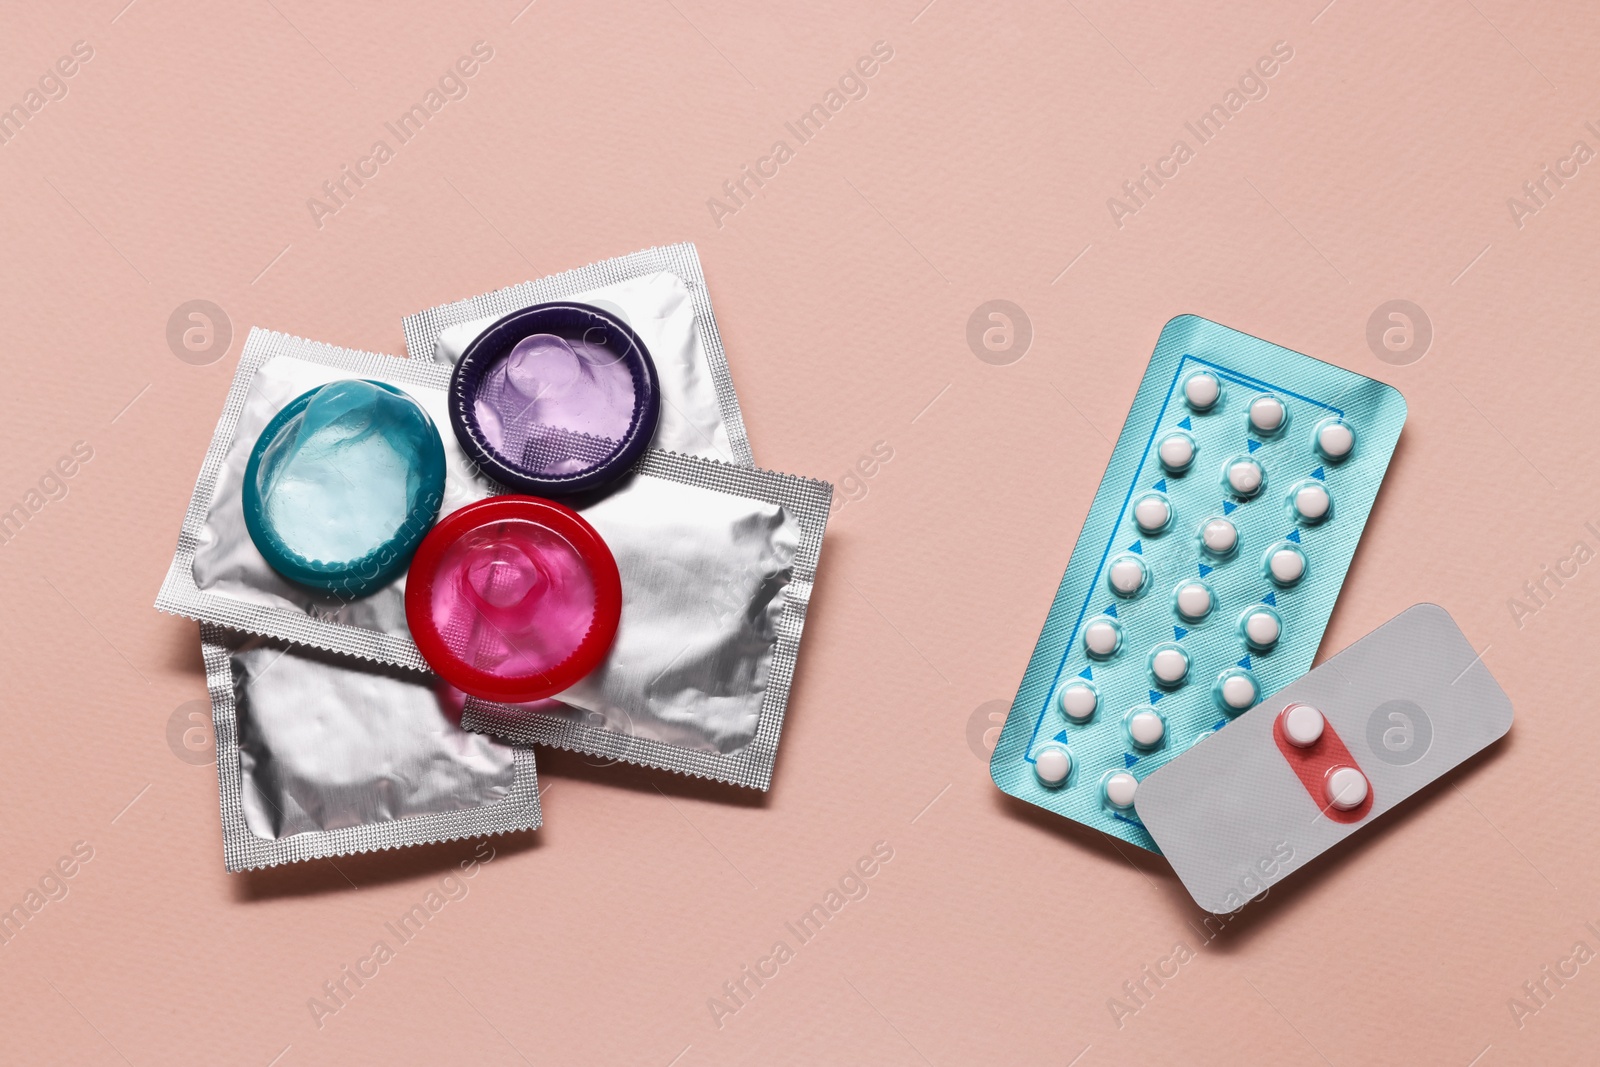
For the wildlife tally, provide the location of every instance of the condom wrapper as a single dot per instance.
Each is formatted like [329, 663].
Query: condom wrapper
[513, 598]
[555, 399]
[716, 561]
[324, 755]
[343, 484]
[659, 293]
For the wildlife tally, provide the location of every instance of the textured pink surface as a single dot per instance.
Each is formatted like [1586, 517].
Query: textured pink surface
[181, 164]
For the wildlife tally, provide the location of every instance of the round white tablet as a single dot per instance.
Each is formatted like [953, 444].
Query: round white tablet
[1146, 728]
[1151, 513]
[1127, 575]
[1261, 629]
[1219, 536]
[1194, 600]
[1245, 476]
[1052, 764]
[1335, 440]
[1288, 565]
[1238, 692]
[1102, 636]
[1346, 788]
[1201, 390]
[1311, 502]
[1267, 414]
[1078, 702]
[1302, 725]
[1120, 788]
[1176, 451]
[1169, 665]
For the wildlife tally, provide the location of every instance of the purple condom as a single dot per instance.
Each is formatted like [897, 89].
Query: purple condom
[556, 398]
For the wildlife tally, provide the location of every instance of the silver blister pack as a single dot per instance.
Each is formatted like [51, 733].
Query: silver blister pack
[661, 294]
[319, 755]
[717, 563]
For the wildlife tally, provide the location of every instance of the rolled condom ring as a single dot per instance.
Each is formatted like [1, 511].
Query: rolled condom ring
[555, 399]
[343, 484]
[513, 598]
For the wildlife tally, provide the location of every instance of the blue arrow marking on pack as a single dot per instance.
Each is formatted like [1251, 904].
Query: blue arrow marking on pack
[1220, 724]
[1204, 570]
[1186, 424]
[1112, 611]
[1087, 672]
[1062, 737]
[1161, 486]
[1137, 547]
[1254, 445]
[1270, 598]
[1155, 697]
[1179, 633]
[1128, 760]
[1245, 663]
[1228, 506]
[1294, 535]
[1318, 473]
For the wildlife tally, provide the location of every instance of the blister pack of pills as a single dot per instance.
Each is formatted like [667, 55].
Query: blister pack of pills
[1324, 757]
[1206, 569]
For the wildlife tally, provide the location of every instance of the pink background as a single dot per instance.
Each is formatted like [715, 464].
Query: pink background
[978, 166]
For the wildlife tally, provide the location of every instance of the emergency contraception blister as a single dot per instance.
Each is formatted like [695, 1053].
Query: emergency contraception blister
[1206, 569]
[1323, 757]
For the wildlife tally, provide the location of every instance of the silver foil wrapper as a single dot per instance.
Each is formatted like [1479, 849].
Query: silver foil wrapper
[661, 294]
[319, 755]
[717, 564]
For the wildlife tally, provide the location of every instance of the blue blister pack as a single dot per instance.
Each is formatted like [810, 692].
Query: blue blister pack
[1206, 570]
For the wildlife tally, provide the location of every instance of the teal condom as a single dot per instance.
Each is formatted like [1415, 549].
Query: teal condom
[343, 484]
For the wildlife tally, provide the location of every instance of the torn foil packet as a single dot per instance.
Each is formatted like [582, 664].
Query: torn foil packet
[324, 755]
[661, 294]
[717, 563]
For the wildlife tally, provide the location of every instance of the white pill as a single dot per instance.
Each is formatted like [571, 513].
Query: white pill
[1311, 501]
[1127, 575]
[1120, 788]
[1245, 477]
[1101, 637]
[1266, 414]
[1302, 725]
[1220, 536]
[1170, 665]
[1261, 629]
[1078, 702]
[1238, 692]
[1346, 788]
[1176, 451]
[1194, 600]
[1202, 390]
[1146, 729]
[1052, 765]
[1288, 566]
[1335, 440]
[1151, 513]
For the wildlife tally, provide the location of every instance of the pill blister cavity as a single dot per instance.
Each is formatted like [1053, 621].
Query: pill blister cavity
[1119, 788]
[1346, 788]
[1335, 439]
[1127, 575]
[1219, 537]
[1102, 637]
[1244, 477]
[1194, 600]
[1310, 502]
[1261, 627]
[1169, 665]
[1267, 415]
[1146, 727]
[1236, 690]
[1078, 701]
[1152, 512]
[1176, 452]
[1202, 391]
[1302, 725]
[1286, 564]
[1052, 764]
